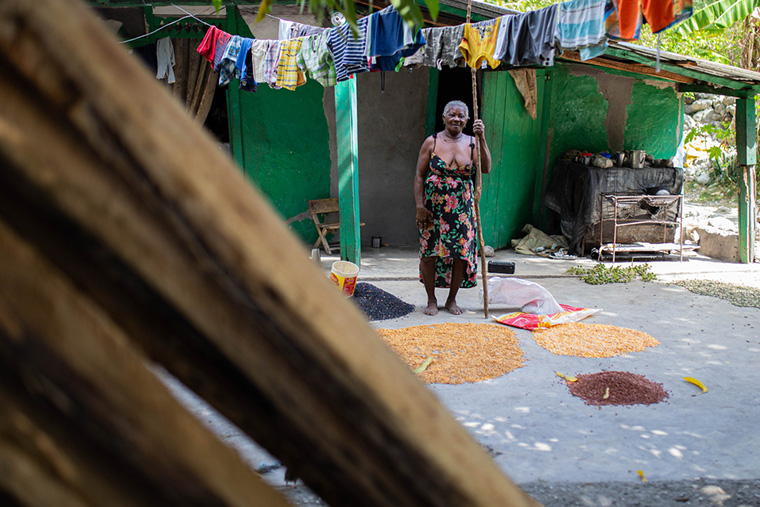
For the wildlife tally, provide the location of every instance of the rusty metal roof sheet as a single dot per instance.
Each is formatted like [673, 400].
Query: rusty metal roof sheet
[695, 64]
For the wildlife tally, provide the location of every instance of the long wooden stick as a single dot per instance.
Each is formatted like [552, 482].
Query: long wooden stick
[478, 182]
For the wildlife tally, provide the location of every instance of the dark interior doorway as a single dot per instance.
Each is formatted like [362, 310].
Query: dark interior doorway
[216, 121]
[454, 84]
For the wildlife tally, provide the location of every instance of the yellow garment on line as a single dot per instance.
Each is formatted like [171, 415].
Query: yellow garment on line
[288, 74]
[476, 48]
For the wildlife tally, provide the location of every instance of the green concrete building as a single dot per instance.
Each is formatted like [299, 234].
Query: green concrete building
[359, 141]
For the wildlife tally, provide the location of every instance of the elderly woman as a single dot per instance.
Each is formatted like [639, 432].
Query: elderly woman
[444, 191]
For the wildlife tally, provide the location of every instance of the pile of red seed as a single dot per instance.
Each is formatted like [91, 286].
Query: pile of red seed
[617, 388]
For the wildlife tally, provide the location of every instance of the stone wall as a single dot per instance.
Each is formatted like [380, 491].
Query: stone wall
[715, 229]
[705, 109]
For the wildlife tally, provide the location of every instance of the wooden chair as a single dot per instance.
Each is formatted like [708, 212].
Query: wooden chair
[326, 216]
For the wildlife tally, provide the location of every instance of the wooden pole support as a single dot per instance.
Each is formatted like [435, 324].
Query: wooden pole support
[478, 182]
[746, 148]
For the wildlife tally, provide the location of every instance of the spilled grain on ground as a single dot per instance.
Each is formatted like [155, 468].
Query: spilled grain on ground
[617, 388]
[592, 340]
[461, 353]
[737, 295]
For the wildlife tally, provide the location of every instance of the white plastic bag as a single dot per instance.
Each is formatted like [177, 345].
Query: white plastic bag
[530, 297]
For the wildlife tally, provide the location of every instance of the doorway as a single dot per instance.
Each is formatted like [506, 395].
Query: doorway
[454, 84]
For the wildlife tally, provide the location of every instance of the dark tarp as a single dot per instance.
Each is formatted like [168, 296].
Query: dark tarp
[574, 192]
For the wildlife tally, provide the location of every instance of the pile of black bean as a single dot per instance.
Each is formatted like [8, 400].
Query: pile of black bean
[617, 388]
[378, 304]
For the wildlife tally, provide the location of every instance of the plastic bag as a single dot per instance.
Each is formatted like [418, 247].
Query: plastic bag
[518, 293]
[530, 322]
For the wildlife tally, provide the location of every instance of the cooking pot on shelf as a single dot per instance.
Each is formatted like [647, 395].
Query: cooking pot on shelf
[637, 158]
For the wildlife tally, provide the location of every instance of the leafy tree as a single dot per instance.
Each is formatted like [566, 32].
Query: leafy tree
[723, 31]
[717, 16]
[408, 9]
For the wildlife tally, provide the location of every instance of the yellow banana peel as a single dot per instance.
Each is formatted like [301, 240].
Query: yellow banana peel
[696, 383]
[566, 377]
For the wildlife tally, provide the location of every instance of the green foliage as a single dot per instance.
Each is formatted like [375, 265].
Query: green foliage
[722, 155]
[600, 273]
[720, 48]
[717, 16]
[408, 9]
[524, 5]
[725, 170]
[711, 194]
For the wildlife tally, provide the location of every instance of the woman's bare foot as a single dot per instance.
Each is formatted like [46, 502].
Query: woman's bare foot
[453, 308]
[431, 308]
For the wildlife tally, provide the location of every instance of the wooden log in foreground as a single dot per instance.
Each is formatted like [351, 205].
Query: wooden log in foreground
[139, 215]
[83, 420]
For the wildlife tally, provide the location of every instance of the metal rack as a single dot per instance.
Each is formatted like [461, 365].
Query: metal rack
[658, 201]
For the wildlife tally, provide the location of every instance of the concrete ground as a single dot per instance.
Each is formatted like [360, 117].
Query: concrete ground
[694, 450]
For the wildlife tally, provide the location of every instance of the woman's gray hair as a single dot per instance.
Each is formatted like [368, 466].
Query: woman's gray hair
[457, 103]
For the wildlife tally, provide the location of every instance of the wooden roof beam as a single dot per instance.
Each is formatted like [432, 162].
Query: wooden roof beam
[636, 68]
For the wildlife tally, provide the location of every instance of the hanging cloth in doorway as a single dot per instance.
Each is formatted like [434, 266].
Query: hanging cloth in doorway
[165, 60]
[525, 80]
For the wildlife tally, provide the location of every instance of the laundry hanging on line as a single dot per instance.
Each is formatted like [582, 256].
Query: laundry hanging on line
[384, 42]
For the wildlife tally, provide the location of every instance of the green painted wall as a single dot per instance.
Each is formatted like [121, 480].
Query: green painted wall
[578, 113]
[281, 139]
[285, 149]
[513, 137]
[654, 122]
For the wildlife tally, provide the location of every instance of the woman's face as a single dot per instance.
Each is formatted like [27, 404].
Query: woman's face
[455, 120]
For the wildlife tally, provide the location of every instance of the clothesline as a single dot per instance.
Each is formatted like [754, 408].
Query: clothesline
[161, 28]
[384, 42]
[188, 15]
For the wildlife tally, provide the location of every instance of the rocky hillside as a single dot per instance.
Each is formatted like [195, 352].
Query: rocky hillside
[711, 116]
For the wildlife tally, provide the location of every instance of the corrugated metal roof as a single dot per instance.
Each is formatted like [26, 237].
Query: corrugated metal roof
[677, 64]
[687, 62]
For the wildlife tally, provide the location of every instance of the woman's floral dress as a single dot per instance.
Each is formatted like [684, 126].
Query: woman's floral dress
[449, 196]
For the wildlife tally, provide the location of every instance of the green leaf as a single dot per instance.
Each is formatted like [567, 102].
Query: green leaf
[432, 6]
[410, 11]
[718, 16]
[423, 366]
[263, 9]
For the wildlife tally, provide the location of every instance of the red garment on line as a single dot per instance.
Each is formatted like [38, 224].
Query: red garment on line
[207, 47]
[658, 13]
